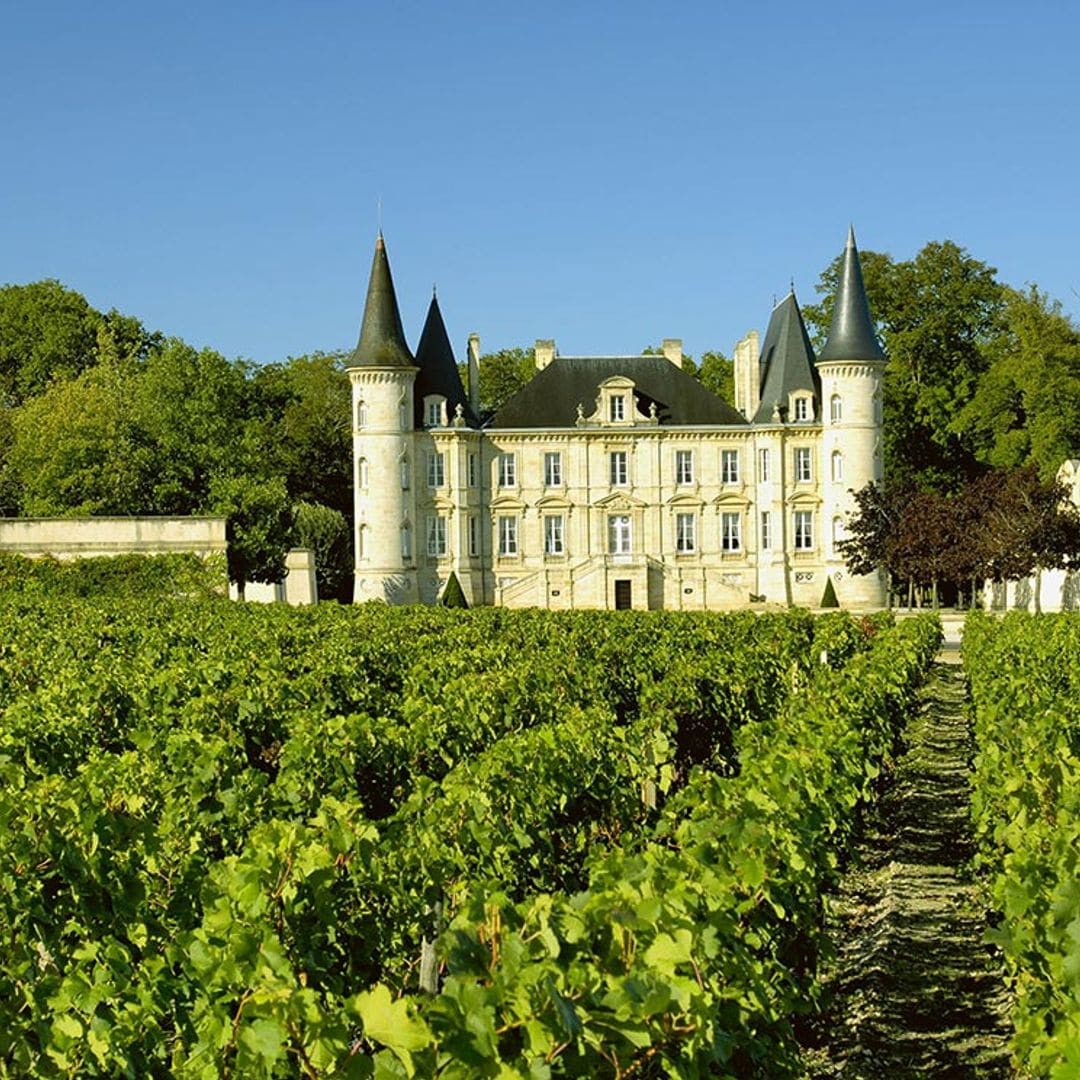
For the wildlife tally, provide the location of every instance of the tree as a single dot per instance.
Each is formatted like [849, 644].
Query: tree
[502, 375]
[328, 533]
[49, 332]
[938, 316]
[304, 407]
[259, 526]
[1026, 408]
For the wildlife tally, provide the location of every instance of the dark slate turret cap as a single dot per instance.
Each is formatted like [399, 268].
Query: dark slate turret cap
[787, 359]
[851, 335]
[438, 369]
[382, 340]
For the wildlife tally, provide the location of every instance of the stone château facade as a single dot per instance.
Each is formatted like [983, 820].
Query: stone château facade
[615, 481]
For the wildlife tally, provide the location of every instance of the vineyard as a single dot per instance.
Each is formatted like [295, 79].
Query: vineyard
[1025, 687]
[254, 841]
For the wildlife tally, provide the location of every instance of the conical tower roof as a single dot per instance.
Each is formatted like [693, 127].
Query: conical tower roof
[382, 340]
[851, 335]
[438, 369]
[787, 359]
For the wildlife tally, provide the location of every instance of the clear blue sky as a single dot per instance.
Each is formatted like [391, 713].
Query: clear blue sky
[606, 174]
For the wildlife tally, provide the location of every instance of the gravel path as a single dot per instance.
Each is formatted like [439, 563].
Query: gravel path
[915, 992]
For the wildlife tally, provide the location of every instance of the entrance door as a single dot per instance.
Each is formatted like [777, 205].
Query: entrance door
[622, 594]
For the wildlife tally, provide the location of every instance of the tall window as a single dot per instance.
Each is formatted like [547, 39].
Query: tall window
[837, 461]
[685, 532]
[436, 536]
[507, 470]
[434, 413]
[729, 466]
[406, 542]
[730, 533]
[553, 535]
[619, 534]
[766, 531]
[405, 473]
[435, 473]
[619, 470]
[618, 407]
[361, 542]
[804, 530]
[684, 466]
[802, 408]
[552, 469]
[361, 414]
[362, 472]
[508, 535]
[403, 420]
[837, 531]
[763, 465]
[474, 470]
[802, 463]
[474, 536]
[836, 409]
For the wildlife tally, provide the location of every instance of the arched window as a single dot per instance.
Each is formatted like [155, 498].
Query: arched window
[362, 472]
[838, 532]
[361, 542]
[404, 474]
[402, 418]
[836, 409]
[361, 414]
[837, 465]
[406, 542]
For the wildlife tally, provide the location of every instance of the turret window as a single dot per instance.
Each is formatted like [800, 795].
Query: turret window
[838, 532]
[361, 414]
[405, 474]
[836, 409]
[362, 472]
[406, 542]
[837, 465]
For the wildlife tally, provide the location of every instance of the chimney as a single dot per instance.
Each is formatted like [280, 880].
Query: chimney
[672, 349]
[545, 352]
[748, 375]
[474, 373]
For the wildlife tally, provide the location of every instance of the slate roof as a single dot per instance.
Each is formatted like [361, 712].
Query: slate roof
[787, 359]
[851, 335]
[551, 398]
[382, 340]
[438, 372]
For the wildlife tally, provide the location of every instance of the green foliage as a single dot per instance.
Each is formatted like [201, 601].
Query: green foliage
[259, 524]
[1024, 680]
[452, 595]
[240, 824]
[828, 597]
[115, 576]
[502, 375]
[327, 533]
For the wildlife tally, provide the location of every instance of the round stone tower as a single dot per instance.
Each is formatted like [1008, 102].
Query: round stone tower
[382, 371]
[851, 366]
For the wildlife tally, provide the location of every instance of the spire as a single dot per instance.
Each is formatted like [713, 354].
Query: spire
[851, 335]
[438, 369]
[382, 340]
[787, 359]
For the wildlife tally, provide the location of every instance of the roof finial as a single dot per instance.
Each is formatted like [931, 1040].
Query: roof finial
[378, 213]
[434, 290]
[792, 285]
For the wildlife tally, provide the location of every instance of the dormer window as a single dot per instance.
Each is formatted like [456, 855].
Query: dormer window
[618, 407]
[434, 411]
[802, 409]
